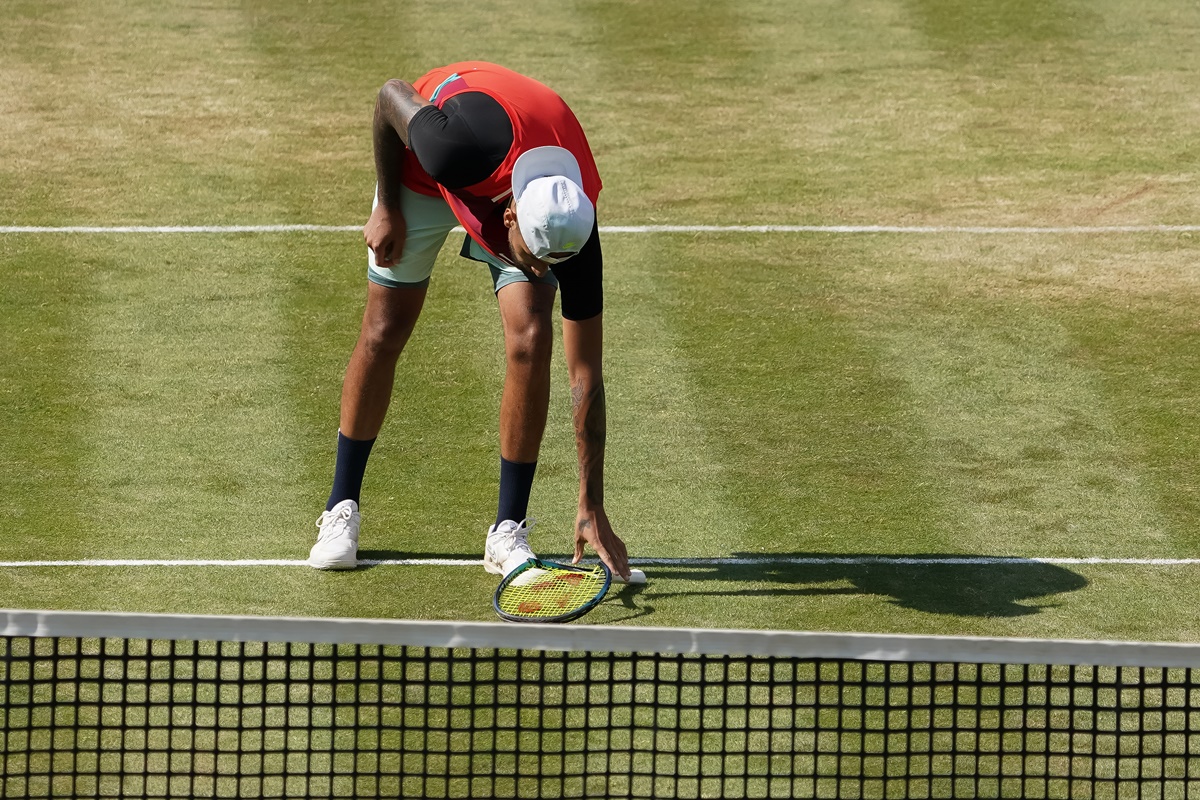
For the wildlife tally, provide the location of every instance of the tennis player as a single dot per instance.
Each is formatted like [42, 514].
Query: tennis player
[478, 145]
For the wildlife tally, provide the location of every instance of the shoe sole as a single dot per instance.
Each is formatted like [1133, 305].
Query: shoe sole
[491, 565]
[317, 564]
[495, 567]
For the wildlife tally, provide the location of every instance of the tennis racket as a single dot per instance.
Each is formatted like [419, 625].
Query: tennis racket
[546, 591]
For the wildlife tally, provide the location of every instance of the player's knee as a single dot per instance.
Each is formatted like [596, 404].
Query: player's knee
[530, 343]
[385, 336]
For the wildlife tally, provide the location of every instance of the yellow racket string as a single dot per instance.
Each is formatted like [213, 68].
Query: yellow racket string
[541, 593]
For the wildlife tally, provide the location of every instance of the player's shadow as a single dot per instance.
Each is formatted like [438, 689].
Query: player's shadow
[960, 585]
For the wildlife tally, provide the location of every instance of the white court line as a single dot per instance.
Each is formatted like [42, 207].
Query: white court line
[897, 229]
[180, 228]
[765, 561]
[936, 229]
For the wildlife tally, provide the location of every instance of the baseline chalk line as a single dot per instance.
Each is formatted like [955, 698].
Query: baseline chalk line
[632, 229]
[764, 561]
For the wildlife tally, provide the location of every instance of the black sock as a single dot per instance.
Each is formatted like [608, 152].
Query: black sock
[351, 466]
[516, 482]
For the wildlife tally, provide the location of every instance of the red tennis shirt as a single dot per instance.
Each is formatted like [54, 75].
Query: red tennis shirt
[538, 117]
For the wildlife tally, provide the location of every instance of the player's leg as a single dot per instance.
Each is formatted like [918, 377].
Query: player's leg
[395, 297]
[526, 313]
[388, 321]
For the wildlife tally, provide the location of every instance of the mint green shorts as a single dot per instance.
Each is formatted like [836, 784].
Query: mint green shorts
[429, 221]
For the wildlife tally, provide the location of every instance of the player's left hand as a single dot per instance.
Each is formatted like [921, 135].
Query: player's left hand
[593, 528]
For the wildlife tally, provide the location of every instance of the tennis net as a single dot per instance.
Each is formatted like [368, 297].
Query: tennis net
[121, 705]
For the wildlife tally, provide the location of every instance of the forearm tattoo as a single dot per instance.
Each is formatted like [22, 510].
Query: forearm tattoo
[587, 406]
[396, 105]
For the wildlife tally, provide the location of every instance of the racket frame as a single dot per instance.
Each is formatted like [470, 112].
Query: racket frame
[544, 564]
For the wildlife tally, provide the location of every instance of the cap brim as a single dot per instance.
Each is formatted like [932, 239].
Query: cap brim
[542, 162]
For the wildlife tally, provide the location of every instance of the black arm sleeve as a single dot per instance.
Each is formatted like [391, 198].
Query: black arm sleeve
[581, 280]
[463, 142]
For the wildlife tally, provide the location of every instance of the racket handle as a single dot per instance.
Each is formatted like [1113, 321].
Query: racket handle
[635, 576]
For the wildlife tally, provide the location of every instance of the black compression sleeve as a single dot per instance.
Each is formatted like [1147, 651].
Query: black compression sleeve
[581, 280]
[463, 142]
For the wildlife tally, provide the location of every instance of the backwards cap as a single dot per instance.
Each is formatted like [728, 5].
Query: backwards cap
[553, 213]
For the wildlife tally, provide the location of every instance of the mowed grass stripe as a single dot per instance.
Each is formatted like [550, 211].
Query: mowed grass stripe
[1152, 378]
[671, 138]
[1024, 445]
[191, 444]
[43, 397]
[190, 447]
[811, 432]
[1029, 438]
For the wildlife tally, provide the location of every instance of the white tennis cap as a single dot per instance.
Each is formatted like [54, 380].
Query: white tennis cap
[554, 214]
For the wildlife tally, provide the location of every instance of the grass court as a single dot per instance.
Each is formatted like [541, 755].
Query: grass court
[792, 414]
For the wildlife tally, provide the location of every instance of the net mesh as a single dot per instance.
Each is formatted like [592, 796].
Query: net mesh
[158, 717]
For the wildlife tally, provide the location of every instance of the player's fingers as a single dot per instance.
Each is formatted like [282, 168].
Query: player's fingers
[616, 561]
[603, 554]
[619, 564]
[578, 549]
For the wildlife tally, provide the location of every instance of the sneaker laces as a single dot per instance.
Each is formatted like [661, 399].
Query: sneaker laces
[518, 536]
[338, 523]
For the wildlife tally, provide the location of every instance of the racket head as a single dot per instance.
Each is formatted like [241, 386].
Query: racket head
[547, 591]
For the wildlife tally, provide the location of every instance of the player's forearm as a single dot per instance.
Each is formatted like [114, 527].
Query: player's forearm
[587, 405]
[395, 106]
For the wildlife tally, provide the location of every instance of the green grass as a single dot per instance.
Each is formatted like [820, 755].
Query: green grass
[175, 396]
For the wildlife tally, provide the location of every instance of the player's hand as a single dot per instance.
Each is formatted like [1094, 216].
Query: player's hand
[384, 233]
[593, 528]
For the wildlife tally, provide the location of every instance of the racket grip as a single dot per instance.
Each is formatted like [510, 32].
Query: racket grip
[635, 576]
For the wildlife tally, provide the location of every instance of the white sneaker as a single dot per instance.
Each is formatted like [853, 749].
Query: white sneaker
[337, 543]
[507, 546]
